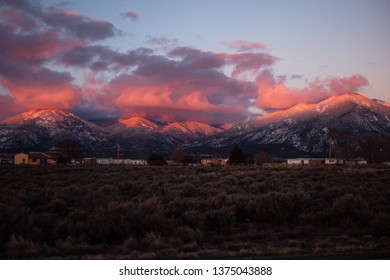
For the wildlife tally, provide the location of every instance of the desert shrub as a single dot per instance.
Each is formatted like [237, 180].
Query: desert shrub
[320, 219]
[245, 207]
[381, 224]
[21, 248]
[193, 218]
[59, 207]
[187, 234]
[42, 227]
[275, 207]
[164, 212]
[349, 210]
[219, 219]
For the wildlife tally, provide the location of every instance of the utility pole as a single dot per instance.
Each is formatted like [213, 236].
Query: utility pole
[281, 153]
[117, 150]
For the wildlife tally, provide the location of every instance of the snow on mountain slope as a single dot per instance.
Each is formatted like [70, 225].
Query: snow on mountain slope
[191, 128]
[139, 122]
[42, 129]
[305, 127]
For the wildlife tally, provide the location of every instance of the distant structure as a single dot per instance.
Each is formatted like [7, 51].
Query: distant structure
[124, 161]
[34, 159]
[214, 161]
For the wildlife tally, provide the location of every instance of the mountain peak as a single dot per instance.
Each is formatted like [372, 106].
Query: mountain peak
[192, 128]
[47, 114]
[343, 102]
[139, 122]
[349, 97]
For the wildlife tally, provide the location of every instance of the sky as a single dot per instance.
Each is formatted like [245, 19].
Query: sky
[219, 62]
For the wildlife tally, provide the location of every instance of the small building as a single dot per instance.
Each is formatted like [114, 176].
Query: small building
[358, 161]
[305, 161]
[21, 158]
[333, 161]
[89, 161]
[33, 159]
[298, 161]
[214, 161]
[138, 161]
[38, 159]
[120, 161]
[104, 161]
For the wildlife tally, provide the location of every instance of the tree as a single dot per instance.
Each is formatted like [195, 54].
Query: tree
[236, 156]
[156, 159]
[345, 141]
[69, 150]
[263, 157]
[368, 142]
[178, 156]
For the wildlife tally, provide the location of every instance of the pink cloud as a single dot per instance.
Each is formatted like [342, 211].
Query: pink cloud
[175, 83]
[178, 99]
[274, 94]
[245, 46]
[37, 97]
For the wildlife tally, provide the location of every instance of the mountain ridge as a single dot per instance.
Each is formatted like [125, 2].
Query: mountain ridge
[303, 127]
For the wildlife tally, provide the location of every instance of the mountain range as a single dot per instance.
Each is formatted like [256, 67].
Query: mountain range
[302, 129]
[305, 129]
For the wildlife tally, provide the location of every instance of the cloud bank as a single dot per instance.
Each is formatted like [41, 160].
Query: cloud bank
[54, 58]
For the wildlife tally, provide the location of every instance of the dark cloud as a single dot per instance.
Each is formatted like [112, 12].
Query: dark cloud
[79, 25]
[71, 23]
[296, 76]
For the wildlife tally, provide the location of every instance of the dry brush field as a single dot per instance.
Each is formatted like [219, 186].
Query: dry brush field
[144, 212]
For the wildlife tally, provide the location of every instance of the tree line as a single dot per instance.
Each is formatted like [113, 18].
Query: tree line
[342, 144]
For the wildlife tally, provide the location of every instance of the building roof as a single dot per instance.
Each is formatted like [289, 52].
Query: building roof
[38, 156]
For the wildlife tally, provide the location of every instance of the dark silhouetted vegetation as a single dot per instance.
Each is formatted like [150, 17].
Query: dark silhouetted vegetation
[165, 212]
[157, 160]
[236, 156]
[69, 149]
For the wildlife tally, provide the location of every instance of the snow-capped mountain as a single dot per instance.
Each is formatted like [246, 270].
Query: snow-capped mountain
[42, 129]
[305, 128]
[141, 136]
[186, 129]
[191, 128]
[302, 129]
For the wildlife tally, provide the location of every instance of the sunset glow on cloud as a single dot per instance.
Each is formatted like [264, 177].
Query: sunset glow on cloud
[52, 57]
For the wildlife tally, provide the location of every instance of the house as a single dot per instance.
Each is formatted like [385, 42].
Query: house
[89, 161]
[358, 161]
[104, 161]
[38, 159]
[120, 161]
[305, 161]
[33, 159]
[298, 161]
[138, 162]
[21, 158]
[214, 161]
[126, 161]
[333, 161]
